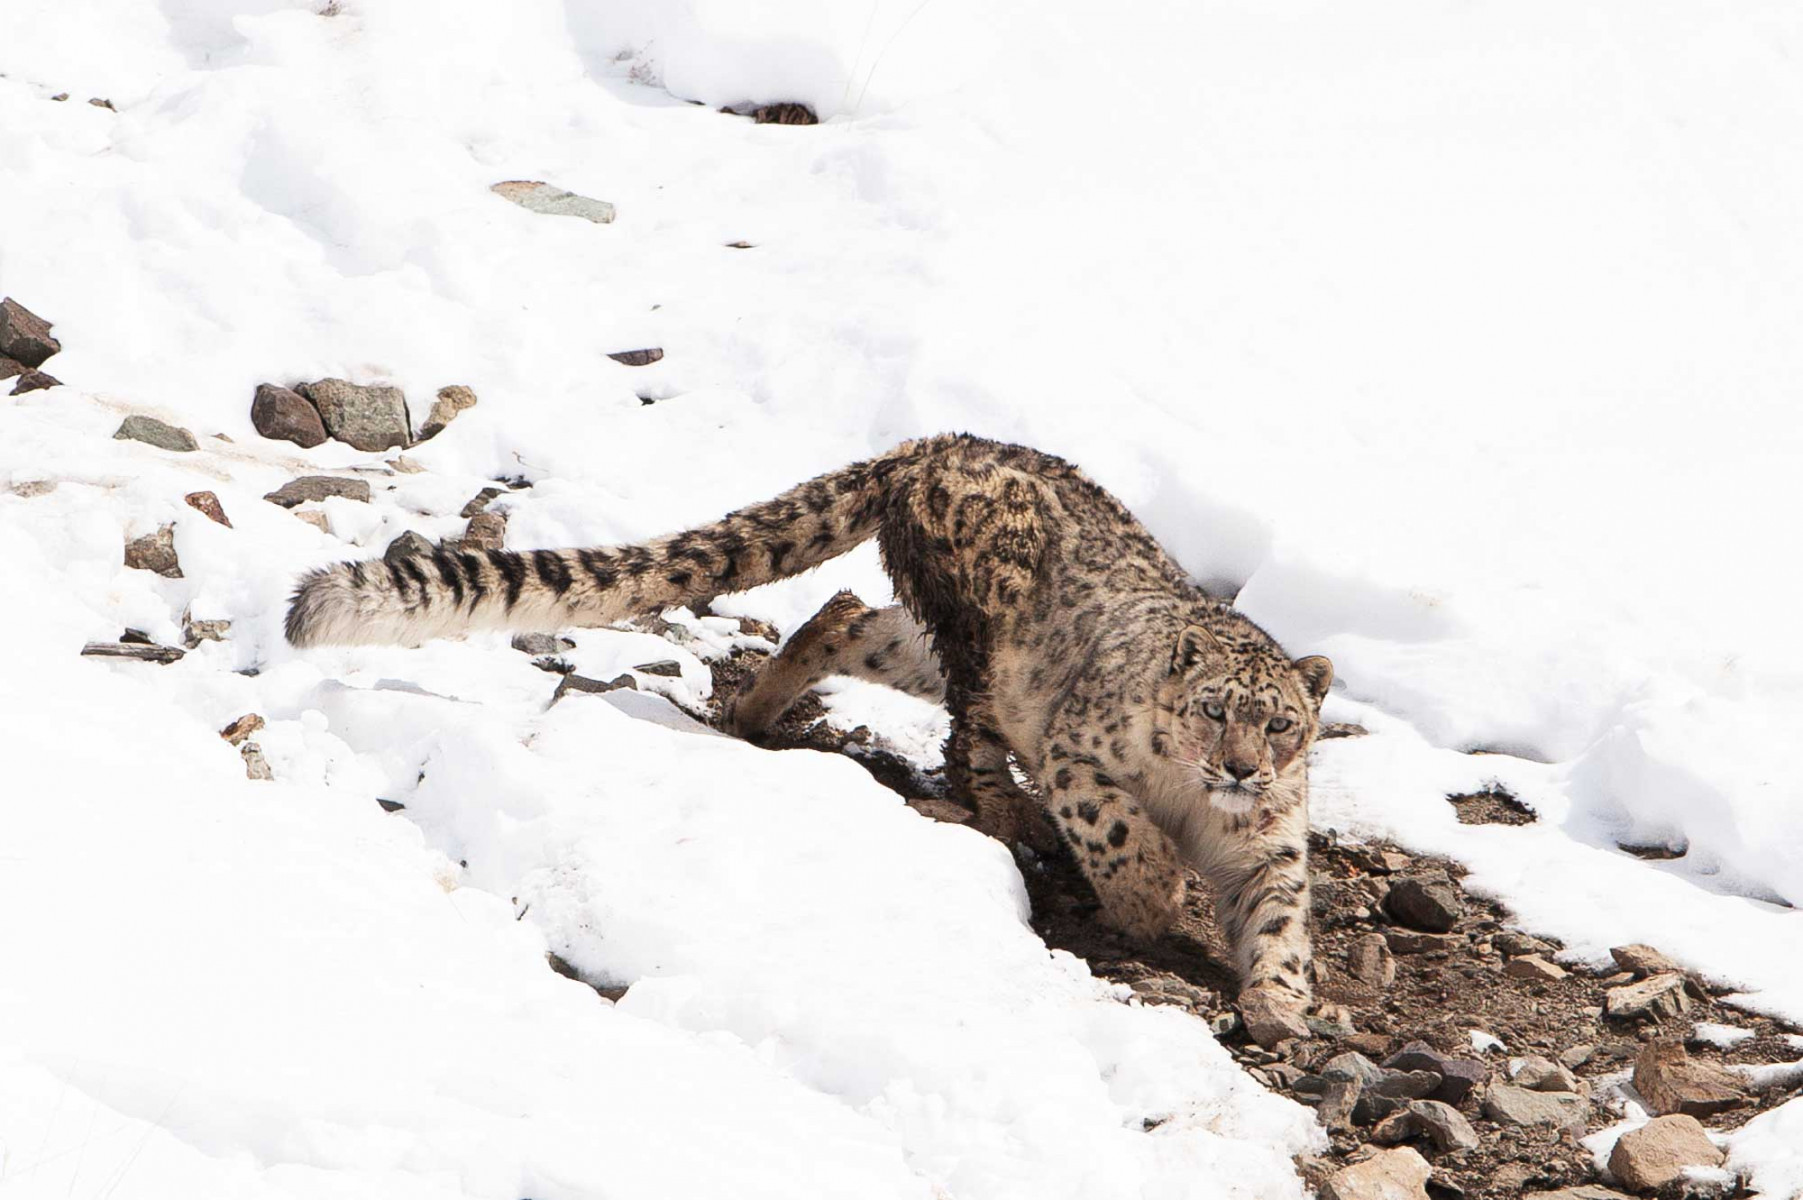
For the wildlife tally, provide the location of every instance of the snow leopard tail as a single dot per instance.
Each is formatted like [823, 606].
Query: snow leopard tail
[412, 599]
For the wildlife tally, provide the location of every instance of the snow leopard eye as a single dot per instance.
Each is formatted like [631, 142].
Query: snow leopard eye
[1279, 724]
[1213, 711]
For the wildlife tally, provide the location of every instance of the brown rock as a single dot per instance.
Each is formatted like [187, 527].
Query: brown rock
[162, 655]
[35, 381]
[1512, 1105]
[1338, 1103]
[1642, 960]
[479, 502]
[1539, 1074]
[786, 113]
[25, 336]
[315, 518]
[1671, 1081]
[1370, 961]
[277, 412]
[1269, 1018]
[449, 402]
[1535, 968]
[208, 503]
[194, 632]
[10, 368]
[155, 552]
[486, 531]
[318, 487]
[1458, 1076]
[1430, 903]
[242, 728]
[1657, 1152]
[1392, 1175]
[1449, 1131]
[1659, 996]
[1407, 941]
[1587, 1191]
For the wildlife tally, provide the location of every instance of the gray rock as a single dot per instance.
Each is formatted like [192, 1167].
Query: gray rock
[1225, 1025]
[1659, 997]
[155, 552]
[25, 336]
[1351, 1067]
[1457, 1075]
[1657, 1153]
[1338, 1103]
[667, 667]
[1407, 941]
[1392, 1175]
[479, 502]
[152, 432]
[1542, 1075]
[1513, 944]
[255, 765]
[277, 412]
[194, 632]
[1535, 968]
[315, 518]
[408, 545]
[445, 407]
[1441, 1123]
[637, 358]
[1642, 960]
[1511, 1105]
[35, 381]
[536, 644]
[1392, 1092]
[1427, 902]
[1587, 1191]
[1370, 961]
[162, 655]
[540, 197]
[1671, 1081]
[1576, 1057]
[318, 487]
[367, 417]
[578, 683]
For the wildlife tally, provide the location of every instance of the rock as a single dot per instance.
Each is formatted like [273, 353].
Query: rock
[155, 552]
[405, 465]
[1643, 960]
[1535, 968]
[1576, 1057]
[1225, 1025]
[536, 644]
[1375, 859]
[577, 683]
[1370, 961]
[390, 805]
[1270, 1018]
[669, 668]
[10, 367]
[195, 632]
[786, 113]
[30, 489]
[637, 358]
[1392, 1092]
[752, 627]
[479, 501]
[1406, 941]
[1338, 1103]
[1426, 902]
[149, 430]
[1511, 1105]
[1671, 1081]
[1538, 1074]
[1659, 997]
[255, 765]
[367, 417]
[25, 336]
[1369, 1044]
[1392, 1175]
[208, 504]
[408, 545]
[287, 416]
[315, 518]
[1351, 1067]
[102, 102]
[1441, 1123]
[35, 381]
[1657, 1152]
[537, 196]
[1514, 944]
[449, 402]
[1457, 1075]
[318, 487]
[486, 531]
[162, 655]
[1587, 1191]
[242, 728]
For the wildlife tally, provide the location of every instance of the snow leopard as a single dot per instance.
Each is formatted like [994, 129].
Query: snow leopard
[1159, 727]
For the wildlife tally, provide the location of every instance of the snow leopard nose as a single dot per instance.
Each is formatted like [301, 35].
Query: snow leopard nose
[1240, 770]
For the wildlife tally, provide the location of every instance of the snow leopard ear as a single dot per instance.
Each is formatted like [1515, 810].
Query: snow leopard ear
[1316, 673]
[1195, 646]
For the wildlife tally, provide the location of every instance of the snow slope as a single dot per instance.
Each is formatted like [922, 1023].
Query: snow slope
[1458, 341]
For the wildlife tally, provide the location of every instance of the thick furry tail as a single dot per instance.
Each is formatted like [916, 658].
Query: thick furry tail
[414, 599]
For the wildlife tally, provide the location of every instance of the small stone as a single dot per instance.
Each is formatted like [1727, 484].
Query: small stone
[242, 728]
[25, 336]
[162, 655]
[315, 518]
[1542, 1075]
[1225, 1025]
[152, 432]
[786, 113]
[1392, 1175]
[30, 489]
[752, 627]
[1533, 967]
[1371, 1045]
[390, 805]
[578, 683]
[35, 381]
[1375, 859]
[1429, 903]
[1671, 1081]
[669, 668]
[1370, 961]
[1338, 1103]
[1351, 1066]
[208, 503]
[255, 765]
[155, 552]
[486, 531]
[286, 415]
[1405, 941]
[1513, 944]
[1394, 1091]
[1336, 1026]
[1271, 1019]
[102, 102]
[1657, 1152]
[318, 487]
[479, 501]
[1399, 1126]
[405, 465]
[1642, 960]
[1658, 996]
[537, 644]
[195, 632]
[540, 197]
[637, 358]
[1341, 729]
[368, 417]
[1444, 1125]
[449, 402]
[1511, 1105]
[408, 545]
[1576, 1057]
[1458, 1076]
[1587, 1191]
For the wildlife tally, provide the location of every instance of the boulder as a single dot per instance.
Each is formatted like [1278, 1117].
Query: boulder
[1642, 960]
[25, 336]
[318, 487]
[1671, 1081]
[155, 552]
[371, 417]
[1657, 1152]
[1392, 1175]
[445, 407]
[152, 432]
[1430, 903]
[1508, 1104]
[285, 415]
[535, 195]
[1658, 997]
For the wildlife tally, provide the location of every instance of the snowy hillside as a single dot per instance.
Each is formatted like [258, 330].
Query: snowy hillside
[1459, 342]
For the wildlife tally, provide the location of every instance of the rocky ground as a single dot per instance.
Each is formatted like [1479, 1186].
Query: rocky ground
[1463, 1060]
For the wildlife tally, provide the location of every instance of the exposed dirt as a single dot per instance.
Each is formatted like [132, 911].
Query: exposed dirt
[1445, 986]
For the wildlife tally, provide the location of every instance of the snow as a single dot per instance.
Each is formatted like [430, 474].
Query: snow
[1711, 1033]
[1457, 342]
